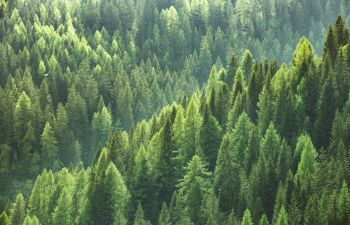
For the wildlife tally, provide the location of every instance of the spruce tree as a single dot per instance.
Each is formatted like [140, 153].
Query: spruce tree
[226, 184]
[49, 148]
[247, 219]
[63, 212]
[282, 218]
[193, 187]
[18, 211]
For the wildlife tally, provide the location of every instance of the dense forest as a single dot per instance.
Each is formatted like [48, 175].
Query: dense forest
[174, 112]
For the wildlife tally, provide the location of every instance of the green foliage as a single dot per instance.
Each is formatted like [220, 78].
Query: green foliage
[92, 78]
[102, 124]
[282, 218]
[247, 218]
[18, 211]
[49, 148]
[193, 187]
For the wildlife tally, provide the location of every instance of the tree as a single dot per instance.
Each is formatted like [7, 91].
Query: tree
[63, 212]
[240, 135]
[115, 196]
[49, 148]
[18, 211]
[164, 216]
[211, 134]
[306, 166]
[102, 124]
[4, 219]
[194, 186]
[22, 116]
[41, 69]
[31, 221]
[263, 220]
[192, 125]
[205, 60]
[119, 151]
[106, 196]
[247, 218]
[312, 212]
[343, 205]
[247, 64]
[282, 218]
[265, 109]
[139, 217]
[226, 184]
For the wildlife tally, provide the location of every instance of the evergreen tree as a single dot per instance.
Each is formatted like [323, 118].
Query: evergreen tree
[4, 219]
[263, 220]
[282, 218]
[343, 205]
[63, 213]
[226, 184]
[164, 216]
[49, 148]
[139, 217]
[18, 211]
[102, 124]
[247, 219]
[193, 187]
[306, 167]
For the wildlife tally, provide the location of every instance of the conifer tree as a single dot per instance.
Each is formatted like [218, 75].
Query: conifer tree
[102, 124]
[226, 184]
[49, 148]
[18, 211]
[63, 213]
[139, 217]
[164, 216]
[247, 218]
[263, 220]
[31, 221]
[4, 219]
[282, 218]
[193, 187]
[343, 205]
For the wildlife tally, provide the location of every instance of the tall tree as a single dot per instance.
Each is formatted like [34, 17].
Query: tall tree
[49, 148]
[193, 187]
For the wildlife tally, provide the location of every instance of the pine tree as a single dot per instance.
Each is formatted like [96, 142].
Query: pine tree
[226, 184]
[265, 110]
[192, 125]
[193, 187]
[263, 220]
[18, 211]
[231, 71]
[63, 213]
[102, 124]
[4, 219]
[205, 60]
[343, 205]
[211, 134]
[106, 196]
[164, 216]
[282, 218]
[139, 217]
[253, 90]
[247, 218]
[240, 135]
[49, 148]
[311, 213]
[115, 196]
[22, 116]
[31, 221]
[306, 167]
[119, 151]
[247, 64]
